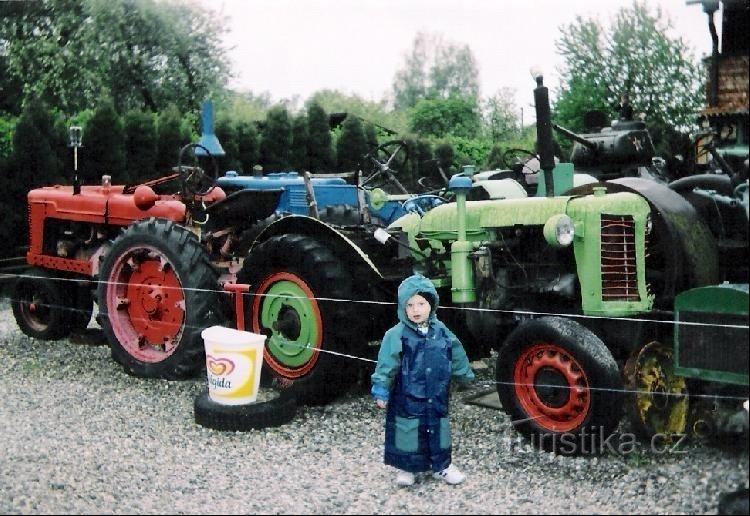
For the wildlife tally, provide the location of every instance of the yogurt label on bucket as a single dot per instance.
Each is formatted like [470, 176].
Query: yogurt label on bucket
[233, 365]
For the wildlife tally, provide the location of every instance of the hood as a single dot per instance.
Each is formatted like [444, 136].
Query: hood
[413, 285]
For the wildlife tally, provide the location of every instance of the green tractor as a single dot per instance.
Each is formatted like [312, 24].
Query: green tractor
[569, 282]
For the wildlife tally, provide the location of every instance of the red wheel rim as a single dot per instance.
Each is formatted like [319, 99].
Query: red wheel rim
[552, 388]
[146, 304]
[290, 357]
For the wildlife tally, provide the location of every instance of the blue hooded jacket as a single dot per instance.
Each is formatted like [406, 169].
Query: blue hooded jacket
[413, 374]
[420, 366]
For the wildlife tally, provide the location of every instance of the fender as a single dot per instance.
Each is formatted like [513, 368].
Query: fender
[313, 227]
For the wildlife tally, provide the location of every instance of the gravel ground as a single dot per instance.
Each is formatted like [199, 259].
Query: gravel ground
[81, 436]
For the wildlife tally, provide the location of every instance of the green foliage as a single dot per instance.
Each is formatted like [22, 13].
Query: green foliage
[501, 115]
[435, 69]
[298, 156]
[319, 143]
[635, 56]
[104, 147]
[456, 116]
[7, 126]
[171, 136]
[469, 151]
[141, 53]
[388, 122]
[275, 140]
[351, 145]
[445, 155]
[248, 151]
[225, 130]
[140, 145]
[34, 161]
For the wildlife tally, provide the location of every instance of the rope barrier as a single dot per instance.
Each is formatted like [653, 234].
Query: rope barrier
[487, 310]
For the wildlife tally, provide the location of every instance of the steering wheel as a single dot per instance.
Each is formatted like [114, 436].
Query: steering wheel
[386, 159]
[195, 181]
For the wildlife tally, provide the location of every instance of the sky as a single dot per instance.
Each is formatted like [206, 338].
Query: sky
[296, 47]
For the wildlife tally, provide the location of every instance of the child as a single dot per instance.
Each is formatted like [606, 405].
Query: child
[417, 358]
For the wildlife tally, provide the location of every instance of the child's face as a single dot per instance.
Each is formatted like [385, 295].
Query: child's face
[417, 309]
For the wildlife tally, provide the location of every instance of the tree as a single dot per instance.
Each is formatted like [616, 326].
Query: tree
[171, 136]
[435, 69]
[500, 114]
[275, 140]
[634, 56]
[248, 151]
[32, 163]
[319, 142]
[457, 116]
[140, 145]
[298, 153]
[141, 53]
[105, 147]
[351, 145]
[226, 132]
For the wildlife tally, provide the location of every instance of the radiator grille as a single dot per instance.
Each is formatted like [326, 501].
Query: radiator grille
[720, 344]
[619, 271]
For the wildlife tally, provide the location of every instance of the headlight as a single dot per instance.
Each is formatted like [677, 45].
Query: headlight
[649, 224]
[559, 231]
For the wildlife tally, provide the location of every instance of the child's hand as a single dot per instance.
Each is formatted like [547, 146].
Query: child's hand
[381, 403]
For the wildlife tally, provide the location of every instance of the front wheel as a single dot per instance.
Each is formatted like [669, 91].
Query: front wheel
[301, 299]
[560, 385]
[41, 305]
[157, 292]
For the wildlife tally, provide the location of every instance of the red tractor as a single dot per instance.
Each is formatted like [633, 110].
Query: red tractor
[143, 252]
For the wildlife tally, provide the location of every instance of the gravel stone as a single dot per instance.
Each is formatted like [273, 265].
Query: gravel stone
[81, 436]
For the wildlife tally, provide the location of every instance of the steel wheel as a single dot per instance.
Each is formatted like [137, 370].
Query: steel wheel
[285, 304]
[560, 385]
[660, 401]
[40, 305]
[552, 387]
[157, 292]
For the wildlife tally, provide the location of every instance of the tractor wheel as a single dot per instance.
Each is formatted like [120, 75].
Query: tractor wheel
[280, 409]
[301, 300]
[659, 404]
[560, 385]
[248, 236]
[41, 305]
[157, 292]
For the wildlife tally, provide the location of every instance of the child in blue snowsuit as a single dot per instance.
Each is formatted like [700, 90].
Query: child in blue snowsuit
[417, 358]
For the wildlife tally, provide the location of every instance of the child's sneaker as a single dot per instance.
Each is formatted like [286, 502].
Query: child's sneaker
[404, 478]
[451, 475]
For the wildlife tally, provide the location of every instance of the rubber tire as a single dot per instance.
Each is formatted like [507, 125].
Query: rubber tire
[600, 370]
[50, 324]
[734, 502]
[328, 278]
[199, 283]
[241, 418]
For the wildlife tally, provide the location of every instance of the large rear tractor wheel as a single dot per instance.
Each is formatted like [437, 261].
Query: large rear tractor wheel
[41, 305]
[560, 385]
[660, 404]
[157, 292]
[300, 298]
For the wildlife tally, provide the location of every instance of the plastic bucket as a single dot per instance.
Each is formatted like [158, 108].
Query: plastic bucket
[233, 364]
